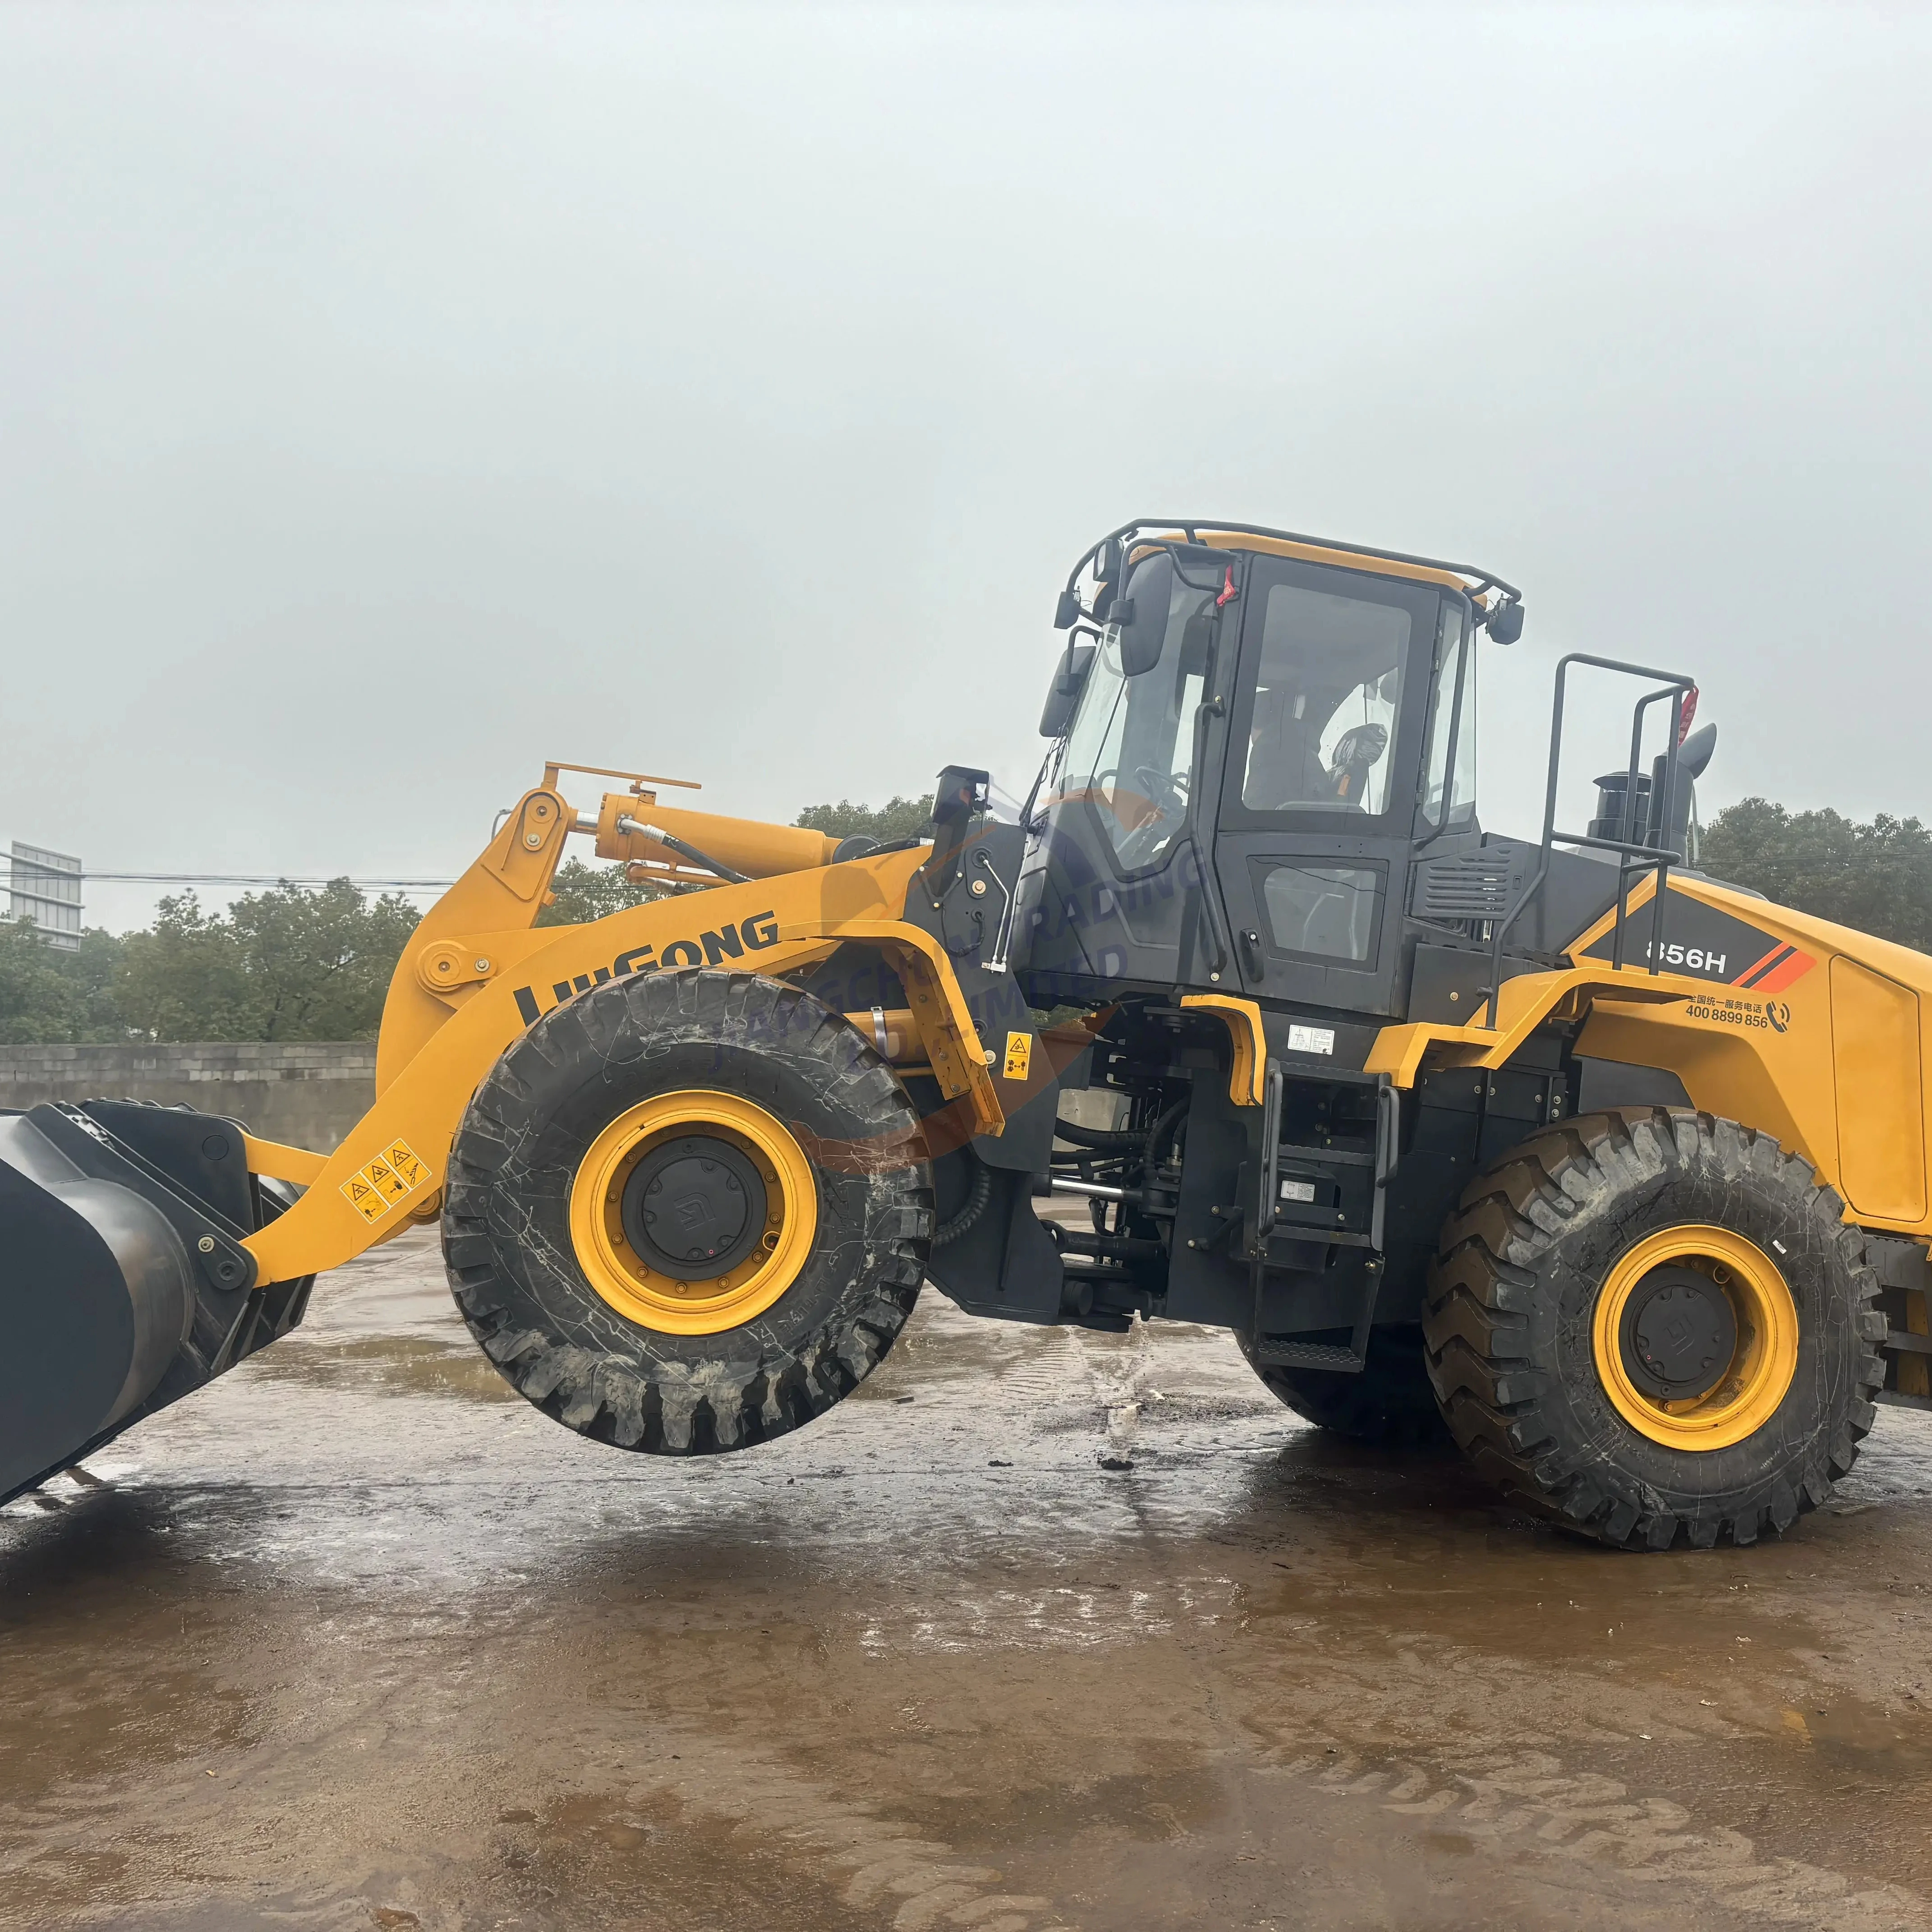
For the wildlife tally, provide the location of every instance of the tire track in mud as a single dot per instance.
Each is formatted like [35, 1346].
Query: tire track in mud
[1526, 1803]
[891, 1870]
[1496, 1777]
[883, 1871]
[1048, 1382]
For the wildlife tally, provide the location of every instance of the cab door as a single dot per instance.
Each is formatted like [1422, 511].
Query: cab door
[1114, 889]
[1318, 803]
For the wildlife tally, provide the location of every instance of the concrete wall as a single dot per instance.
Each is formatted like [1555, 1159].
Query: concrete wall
[309, 1095]
[1095, 1107]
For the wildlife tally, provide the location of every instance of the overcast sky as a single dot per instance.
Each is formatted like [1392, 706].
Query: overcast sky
[392, 398]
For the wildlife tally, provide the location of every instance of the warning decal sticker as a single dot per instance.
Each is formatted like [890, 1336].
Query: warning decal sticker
[392, 1176]
[386, 1179]
[1019, 1056]
[402, 1158]
[364, 1198]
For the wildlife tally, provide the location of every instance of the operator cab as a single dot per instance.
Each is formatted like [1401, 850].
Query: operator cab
[1256, 731]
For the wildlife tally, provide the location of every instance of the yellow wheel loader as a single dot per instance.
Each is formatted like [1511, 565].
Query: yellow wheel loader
[1612, 1172]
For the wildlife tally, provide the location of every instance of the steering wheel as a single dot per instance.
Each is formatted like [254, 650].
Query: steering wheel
[1168, 799]
[1136, 845]
[1165, 788]
[1357, 752]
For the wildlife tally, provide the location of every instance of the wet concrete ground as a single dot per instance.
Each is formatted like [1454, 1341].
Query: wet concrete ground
[357, 1638]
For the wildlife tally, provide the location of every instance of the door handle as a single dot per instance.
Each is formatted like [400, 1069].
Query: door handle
[1253, 958]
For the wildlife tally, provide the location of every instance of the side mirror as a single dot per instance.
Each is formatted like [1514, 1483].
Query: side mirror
[1067, 612]
[1694, 754]
[1505, 623]
[1140, 618]
[1062, 695]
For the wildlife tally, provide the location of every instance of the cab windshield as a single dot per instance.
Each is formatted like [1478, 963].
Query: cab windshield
[1130, 755]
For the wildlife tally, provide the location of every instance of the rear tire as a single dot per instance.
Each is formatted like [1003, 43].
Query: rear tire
[1390, 1403]
[1538, 1389]
[850, 1212]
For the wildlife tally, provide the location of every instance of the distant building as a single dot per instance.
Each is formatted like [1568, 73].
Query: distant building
[46, 888]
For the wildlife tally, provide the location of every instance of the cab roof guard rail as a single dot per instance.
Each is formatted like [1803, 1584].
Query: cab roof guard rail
[1485, 580]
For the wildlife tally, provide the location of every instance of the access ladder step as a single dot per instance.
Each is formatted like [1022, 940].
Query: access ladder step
[1309, 1355]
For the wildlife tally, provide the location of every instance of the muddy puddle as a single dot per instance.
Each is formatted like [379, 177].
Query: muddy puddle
[357, 1638]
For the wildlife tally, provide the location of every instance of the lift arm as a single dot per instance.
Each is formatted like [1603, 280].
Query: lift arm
[479, 971]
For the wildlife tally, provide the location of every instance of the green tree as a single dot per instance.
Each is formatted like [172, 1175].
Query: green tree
[1876, 877]
[583, 893]
[50, 996]
[93, 969]
[897, 818]
[186, 978]
[286, 964]
[37, 1002]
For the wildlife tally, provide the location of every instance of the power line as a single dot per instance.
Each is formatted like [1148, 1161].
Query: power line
[259, 879]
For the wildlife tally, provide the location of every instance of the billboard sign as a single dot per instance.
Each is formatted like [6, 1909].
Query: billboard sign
[45, 888]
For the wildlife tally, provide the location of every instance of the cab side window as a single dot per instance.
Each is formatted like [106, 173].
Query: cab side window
[1452, 723]
[1327, 697]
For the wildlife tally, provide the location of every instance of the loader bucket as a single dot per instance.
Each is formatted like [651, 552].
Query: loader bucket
[123, 1285]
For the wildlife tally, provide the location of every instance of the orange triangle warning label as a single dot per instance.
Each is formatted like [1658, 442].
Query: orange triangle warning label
[363, 1197]
[386, 1179]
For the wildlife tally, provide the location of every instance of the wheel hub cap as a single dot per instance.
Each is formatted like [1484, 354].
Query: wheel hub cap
[1694, 1336]
[1679, 1333]
[693, 1212]
[696, 1203]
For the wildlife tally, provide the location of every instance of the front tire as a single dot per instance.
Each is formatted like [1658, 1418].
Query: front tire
[1652, 1325]
[687, 1211]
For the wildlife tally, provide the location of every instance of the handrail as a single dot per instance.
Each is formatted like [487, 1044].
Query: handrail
[1660, 858]
[1267, 1183]
[1215, 913]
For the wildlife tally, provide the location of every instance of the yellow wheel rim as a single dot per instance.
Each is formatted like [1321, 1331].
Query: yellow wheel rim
[676, 1299]
[1745, 1392]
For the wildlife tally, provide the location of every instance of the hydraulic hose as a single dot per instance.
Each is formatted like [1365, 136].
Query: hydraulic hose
[1103, 1140]
[685, 850]
[974, 1205]
[1160, 1127]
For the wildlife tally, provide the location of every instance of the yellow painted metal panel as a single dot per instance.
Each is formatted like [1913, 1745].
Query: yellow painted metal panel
[1881, 1110]
[280, 1162]
[456, 1038]
[1527, 999]
[1242, 1018]
[1818, 1044]
[939, 1009]
[747, 845]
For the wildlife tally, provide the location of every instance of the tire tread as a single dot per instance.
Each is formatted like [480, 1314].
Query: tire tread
[1484, 1284]
[747, 1388]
